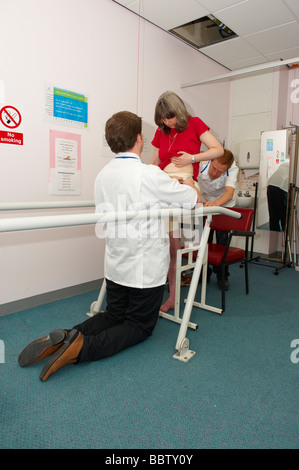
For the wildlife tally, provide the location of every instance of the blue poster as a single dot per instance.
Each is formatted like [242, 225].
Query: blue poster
[70, 106]
[269, 145]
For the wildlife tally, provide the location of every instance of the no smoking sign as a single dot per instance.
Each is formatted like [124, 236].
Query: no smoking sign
[11, 118]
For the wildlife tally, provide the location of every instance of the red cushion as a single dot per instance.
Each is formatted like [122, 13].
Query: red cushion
[216, 252]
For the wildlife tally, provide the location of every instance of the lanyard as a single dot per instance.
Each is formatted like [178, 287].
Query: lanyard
[205, 167]
[135, 158]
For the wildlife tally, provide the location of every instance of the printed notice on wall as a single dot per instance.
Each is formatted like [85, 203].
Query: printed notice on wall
[10, 126]
[65, 107]
[65, 164]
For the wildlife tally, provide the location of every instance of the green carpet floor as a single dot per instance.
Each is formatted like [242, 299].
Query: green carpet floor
[240, 390]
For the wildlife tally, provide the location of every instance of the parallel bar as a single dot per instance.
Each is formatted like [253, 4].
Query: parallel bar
[192, 290]
[32, 223]
[13, 206]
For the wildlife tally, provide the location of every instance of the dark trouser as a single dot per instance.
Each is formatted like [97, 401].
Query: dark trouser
[221, 239]
[130, 317]
[277, 205]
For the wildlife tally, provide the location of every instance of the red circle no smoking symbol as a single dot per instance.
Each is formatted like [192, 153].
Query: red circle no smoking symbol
[10, 117]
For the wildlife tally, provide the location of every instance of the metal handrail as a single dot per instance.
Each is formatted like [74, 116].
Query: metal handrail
[13, 206]
[31, 223]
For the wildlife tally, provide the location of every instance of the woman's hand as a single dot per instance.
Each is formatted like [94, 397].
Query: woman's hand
[182, 159]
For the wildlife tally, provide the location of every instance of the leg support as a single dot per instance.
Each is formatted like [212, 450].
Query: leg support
[182, 345]
[96, 307]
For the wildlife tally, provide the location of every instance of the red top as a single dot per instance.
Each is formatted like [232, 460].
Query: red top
[187, 141]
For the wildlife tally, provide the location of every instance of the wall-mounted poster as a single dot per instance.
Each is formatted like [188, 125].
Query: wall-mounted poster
[65, 107]
[10, 125]
[65, 164]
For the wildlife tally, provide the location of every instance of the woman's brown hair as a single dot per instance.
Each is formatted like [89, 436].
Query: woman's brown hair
[168, 106]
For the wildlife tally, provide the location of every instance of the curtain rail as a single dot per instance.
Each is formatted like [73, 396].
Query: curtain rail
[32, 223]
[12, 206]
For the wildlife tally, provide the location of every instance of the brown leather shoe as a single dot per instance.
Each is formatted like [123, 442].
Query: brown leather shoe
[42, 348]
[67, 354]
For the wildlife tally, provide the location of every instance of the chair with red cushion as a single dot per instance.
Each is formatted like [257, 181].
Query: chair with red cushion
[224, 255]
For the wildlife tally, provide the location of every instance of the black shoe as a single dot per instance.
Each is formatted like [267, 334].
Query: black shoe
[226, 284]
[42, 348]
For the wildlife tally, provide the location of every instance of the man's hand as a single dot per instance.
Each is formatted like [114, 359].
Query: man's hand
[189, 181]
[210, 203]
[179, 178]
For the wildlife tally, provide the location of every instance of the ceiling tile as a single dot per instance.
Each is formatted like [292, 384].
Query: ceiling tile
[214, 5]
[268, 29]
[240, 64]
[235, 48]
[125, 3]
[284, 55]
[294, 6]
[168, 13]
[255, 15]
[275, 39]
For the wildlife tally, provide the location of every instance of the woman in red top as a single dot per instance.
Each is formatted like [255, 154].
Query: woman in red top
[177, 143]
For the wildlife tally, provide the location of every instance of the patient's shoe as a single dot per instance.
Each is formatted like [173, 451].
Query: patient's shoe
[42, 348]
[225, 282]
[67, 354]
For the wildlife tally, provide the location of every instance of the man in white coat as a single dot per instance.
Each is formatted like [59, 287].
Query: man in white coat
[136, 256]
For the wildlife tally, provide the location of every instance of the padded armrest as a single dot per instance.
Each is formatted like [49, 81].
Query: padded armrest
[242, 233]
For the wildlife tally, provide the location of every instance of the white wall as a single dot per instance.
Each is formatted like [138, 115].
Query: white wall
[262, 102]
[292, 102]
[87, 46]
[251, 114]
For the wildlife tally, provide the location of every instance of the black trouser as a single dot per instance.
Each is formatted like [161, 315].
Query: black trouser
[130, 317]
[277, 205]
[221, 239]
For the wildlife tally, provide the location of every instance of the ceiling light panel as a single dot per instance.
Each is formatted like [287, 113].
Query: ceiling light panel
[203, 32]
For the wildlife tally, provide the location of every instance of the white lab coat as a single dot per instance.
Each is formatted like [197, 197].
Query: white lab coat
[280, 177]
[213, 189]
[137, 253]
